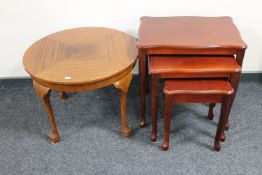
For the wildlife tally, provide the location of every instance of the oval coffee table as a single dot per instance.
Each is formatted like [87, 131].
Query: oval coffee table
[78, 60]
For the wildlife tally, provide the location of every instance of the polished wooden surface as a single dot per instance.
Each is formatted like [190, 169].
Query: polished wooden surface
[189, 32]
[193, 64]
[187, 36]
[198, 86]
[196, 91]
[80, 56]
[188, 66]
[81, 59]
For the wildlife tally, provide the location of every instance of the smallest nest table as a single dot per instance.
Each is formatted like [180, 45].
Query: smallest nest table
[197, 91]
[78, 60]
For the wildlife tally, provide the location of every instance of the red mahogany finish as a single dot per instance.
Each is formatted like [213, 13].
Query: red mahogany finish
[193, 64]
[189, 32]
[197, 91]
[187, 67]
[187, 35]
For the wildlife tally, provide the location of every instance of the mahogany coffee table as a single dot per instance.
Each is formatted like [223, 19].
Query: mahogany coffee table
[81, 59]
[187, 35]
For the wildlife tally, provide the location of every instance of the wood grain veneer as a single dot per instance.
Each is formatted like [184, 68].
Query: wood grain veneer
[81, 59]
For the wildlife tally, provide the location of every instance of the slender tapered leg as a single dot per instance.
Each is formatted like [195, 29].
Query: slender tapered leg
[154, 102]
[167, 113]
[223, 136]
[44, 95]
[122, 87]
[147, 76]
[222, 121]
[62, 95]
[211, 116]
[211, 111]
[142, 81]
[234, 80]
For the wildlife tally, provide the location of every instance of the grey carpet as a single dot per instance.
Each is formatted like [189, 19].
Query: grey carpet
[89, 125]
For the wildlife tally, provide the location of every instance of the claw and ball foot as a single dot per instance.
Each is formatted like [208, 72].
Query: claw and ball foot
[126, 131]
[44, 95]
[122, 87]
[54, 138]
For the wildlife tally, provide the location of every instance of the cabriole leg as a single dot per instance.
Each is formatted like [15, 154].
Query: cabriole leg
[224, 113]
[44, 95]
[122, 87]
[211, 111]
[167, 113]
[142, 87]
[154, 102]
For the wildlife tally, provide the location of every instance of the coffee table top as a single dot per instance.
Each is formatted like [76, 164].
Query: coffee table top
[189, 32]
[80, 55]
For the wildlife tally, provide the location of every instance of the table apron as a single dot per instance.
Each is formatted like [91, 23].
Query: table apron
[195, 75]
[209, 51]
[85, 86]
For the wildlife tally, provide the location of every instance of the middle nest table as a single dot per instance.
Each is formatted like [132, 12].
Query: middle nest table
[78, 60]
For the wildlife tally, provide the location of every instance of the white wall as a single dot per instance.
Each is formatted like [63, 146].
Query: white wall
[24, 21]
